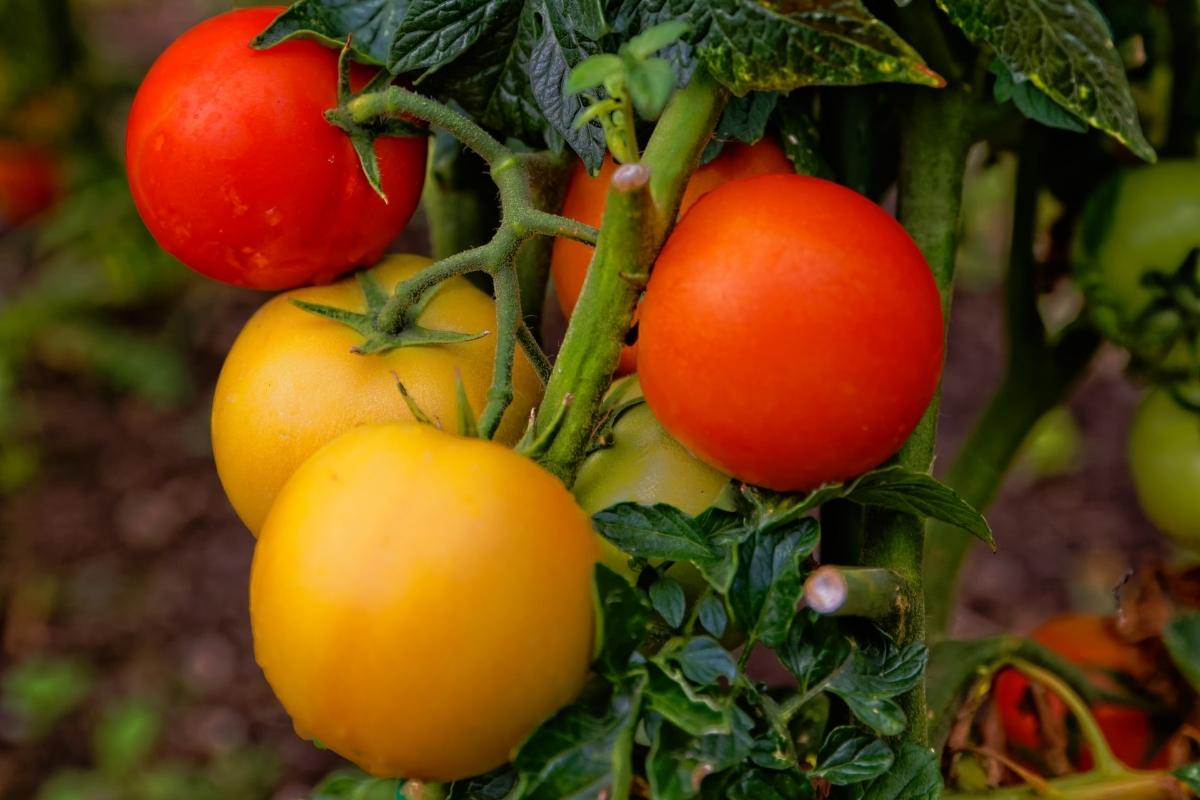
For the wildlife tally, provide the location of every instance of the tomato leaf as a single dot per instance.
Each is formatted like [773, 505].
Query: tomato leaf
[582, 752]
[1189, 776]
[668, 694]
[1032, 101]
[1182, 638]
[703, 661]
[1064, 49]
[371, 24]
[800, 137]
[751, 45]
[658, 531]
[492, 786]
[814, 650]
[711, 613]
[915, 775]
[667, 598]
[919, 493]
[760, 784]
[550, 61]
[768, 583]
[621, 620]
[851, 755]
[674, 764]
[592, 72]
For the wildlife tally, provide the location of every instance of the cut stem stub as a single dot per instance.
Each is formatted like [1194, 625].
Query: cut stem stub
[852, 591]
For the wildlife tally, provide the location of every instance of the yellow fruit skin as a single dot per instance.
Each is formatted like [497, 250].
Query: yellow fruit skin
[421, 601]
[290, 383]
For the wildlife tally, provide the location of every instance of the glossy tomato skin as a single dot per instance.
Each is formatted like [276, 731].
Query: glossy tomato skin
[29, 183]
[645, 465]
[1164, 454]
[586, 197]
[1090, 642]
[237, 173]
[290, 383]
[1140, 220]
[791, 333]
[421, 601]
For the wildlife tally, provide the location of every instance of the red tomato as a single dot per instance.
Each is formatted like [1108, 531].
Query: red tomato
[586, 197]
[237, 173]
[29, 183]
[1088, 641]
[791, 334]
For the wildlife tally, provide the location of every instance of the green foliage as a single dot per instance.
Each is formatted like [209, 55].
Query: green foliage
[1182, 638]
[1065, 50]
[40, 692]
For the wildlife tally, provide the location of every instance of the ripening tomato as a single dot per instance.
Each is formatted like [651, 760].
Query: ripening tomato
[1140, 220]
[236, 171]
[643, 464]
[586, 197]
[29, 183]
[421, 601]
[1164, 454]
[1090, 642]
[290, 382]
[791, 333]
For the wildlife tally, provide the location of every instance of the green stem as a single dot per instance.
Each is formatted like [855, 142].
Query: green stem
[635, 224]
[539, 359]
[934, 142]
[1037, 379]
[871, 592]
[393, 315]
[1130, 786]
[459, 199]
[508, 322]
[548, 175]
[396, 100]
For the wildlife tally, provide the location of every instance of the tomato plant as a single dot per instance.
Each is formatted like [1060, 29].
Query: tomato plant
[791, 333]
[237, 173]
[585, 198]
[407, 574]
[291, 383]
[1164, 456]
[1089, 642]
[424, 603]
[1141, 224]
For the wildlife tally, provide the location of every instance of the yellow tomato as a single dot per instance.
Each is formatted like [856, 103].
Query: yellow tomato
[645, 465]
[290, 383]
[421, 601]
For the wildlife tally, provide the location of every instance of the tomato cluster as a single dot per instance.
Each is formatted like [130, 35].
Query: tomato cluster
[791, 336]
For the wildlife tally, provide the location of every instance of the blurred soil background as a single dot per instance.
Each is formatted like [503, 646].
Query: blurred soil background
[126, 668]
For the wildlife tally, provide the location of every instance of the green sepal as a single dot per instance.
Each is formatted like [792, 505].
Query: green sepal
[413, 408]
[465, 415]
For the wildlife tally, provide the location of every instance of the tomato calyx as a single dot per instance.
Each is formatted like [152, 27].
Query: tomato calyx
[1172, 317]
[363, 134]
[376, 339]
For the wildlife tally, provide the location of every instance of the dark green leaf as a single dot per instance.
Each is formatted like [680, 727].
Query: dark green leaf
[851, 755]
[711, 613]
[900, 489]
[650, 86]
[657, 531]
[885, 672]
[753, 45]
[493, 786]
[1182, 638]
[579, 754]
[815, 648]
[667, 598]
[678, 761]
[621, 620]
[650, 41]
[915, 775]
[1064, 48]
[879, 713]
[704, 660]
[760, 784]
[801, 140]
[372, 24]
[436, 32]
[1189, 775]
[554, 52]
[1032, 101]
[767, 586]
[668, 694]
[745, 118]
[593, 71]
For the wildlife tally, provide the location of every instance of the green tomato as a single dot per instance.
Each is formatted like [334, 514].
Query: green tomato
[1164, 452]
[1140, 221]
[1053, 447]
[645, 465]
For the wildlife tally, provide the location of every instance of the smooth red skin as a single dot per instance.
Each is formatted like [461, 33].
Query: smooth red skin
[29, 183]
[237, 173]
[1086, 641]
[791, 333]
[586, 197]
